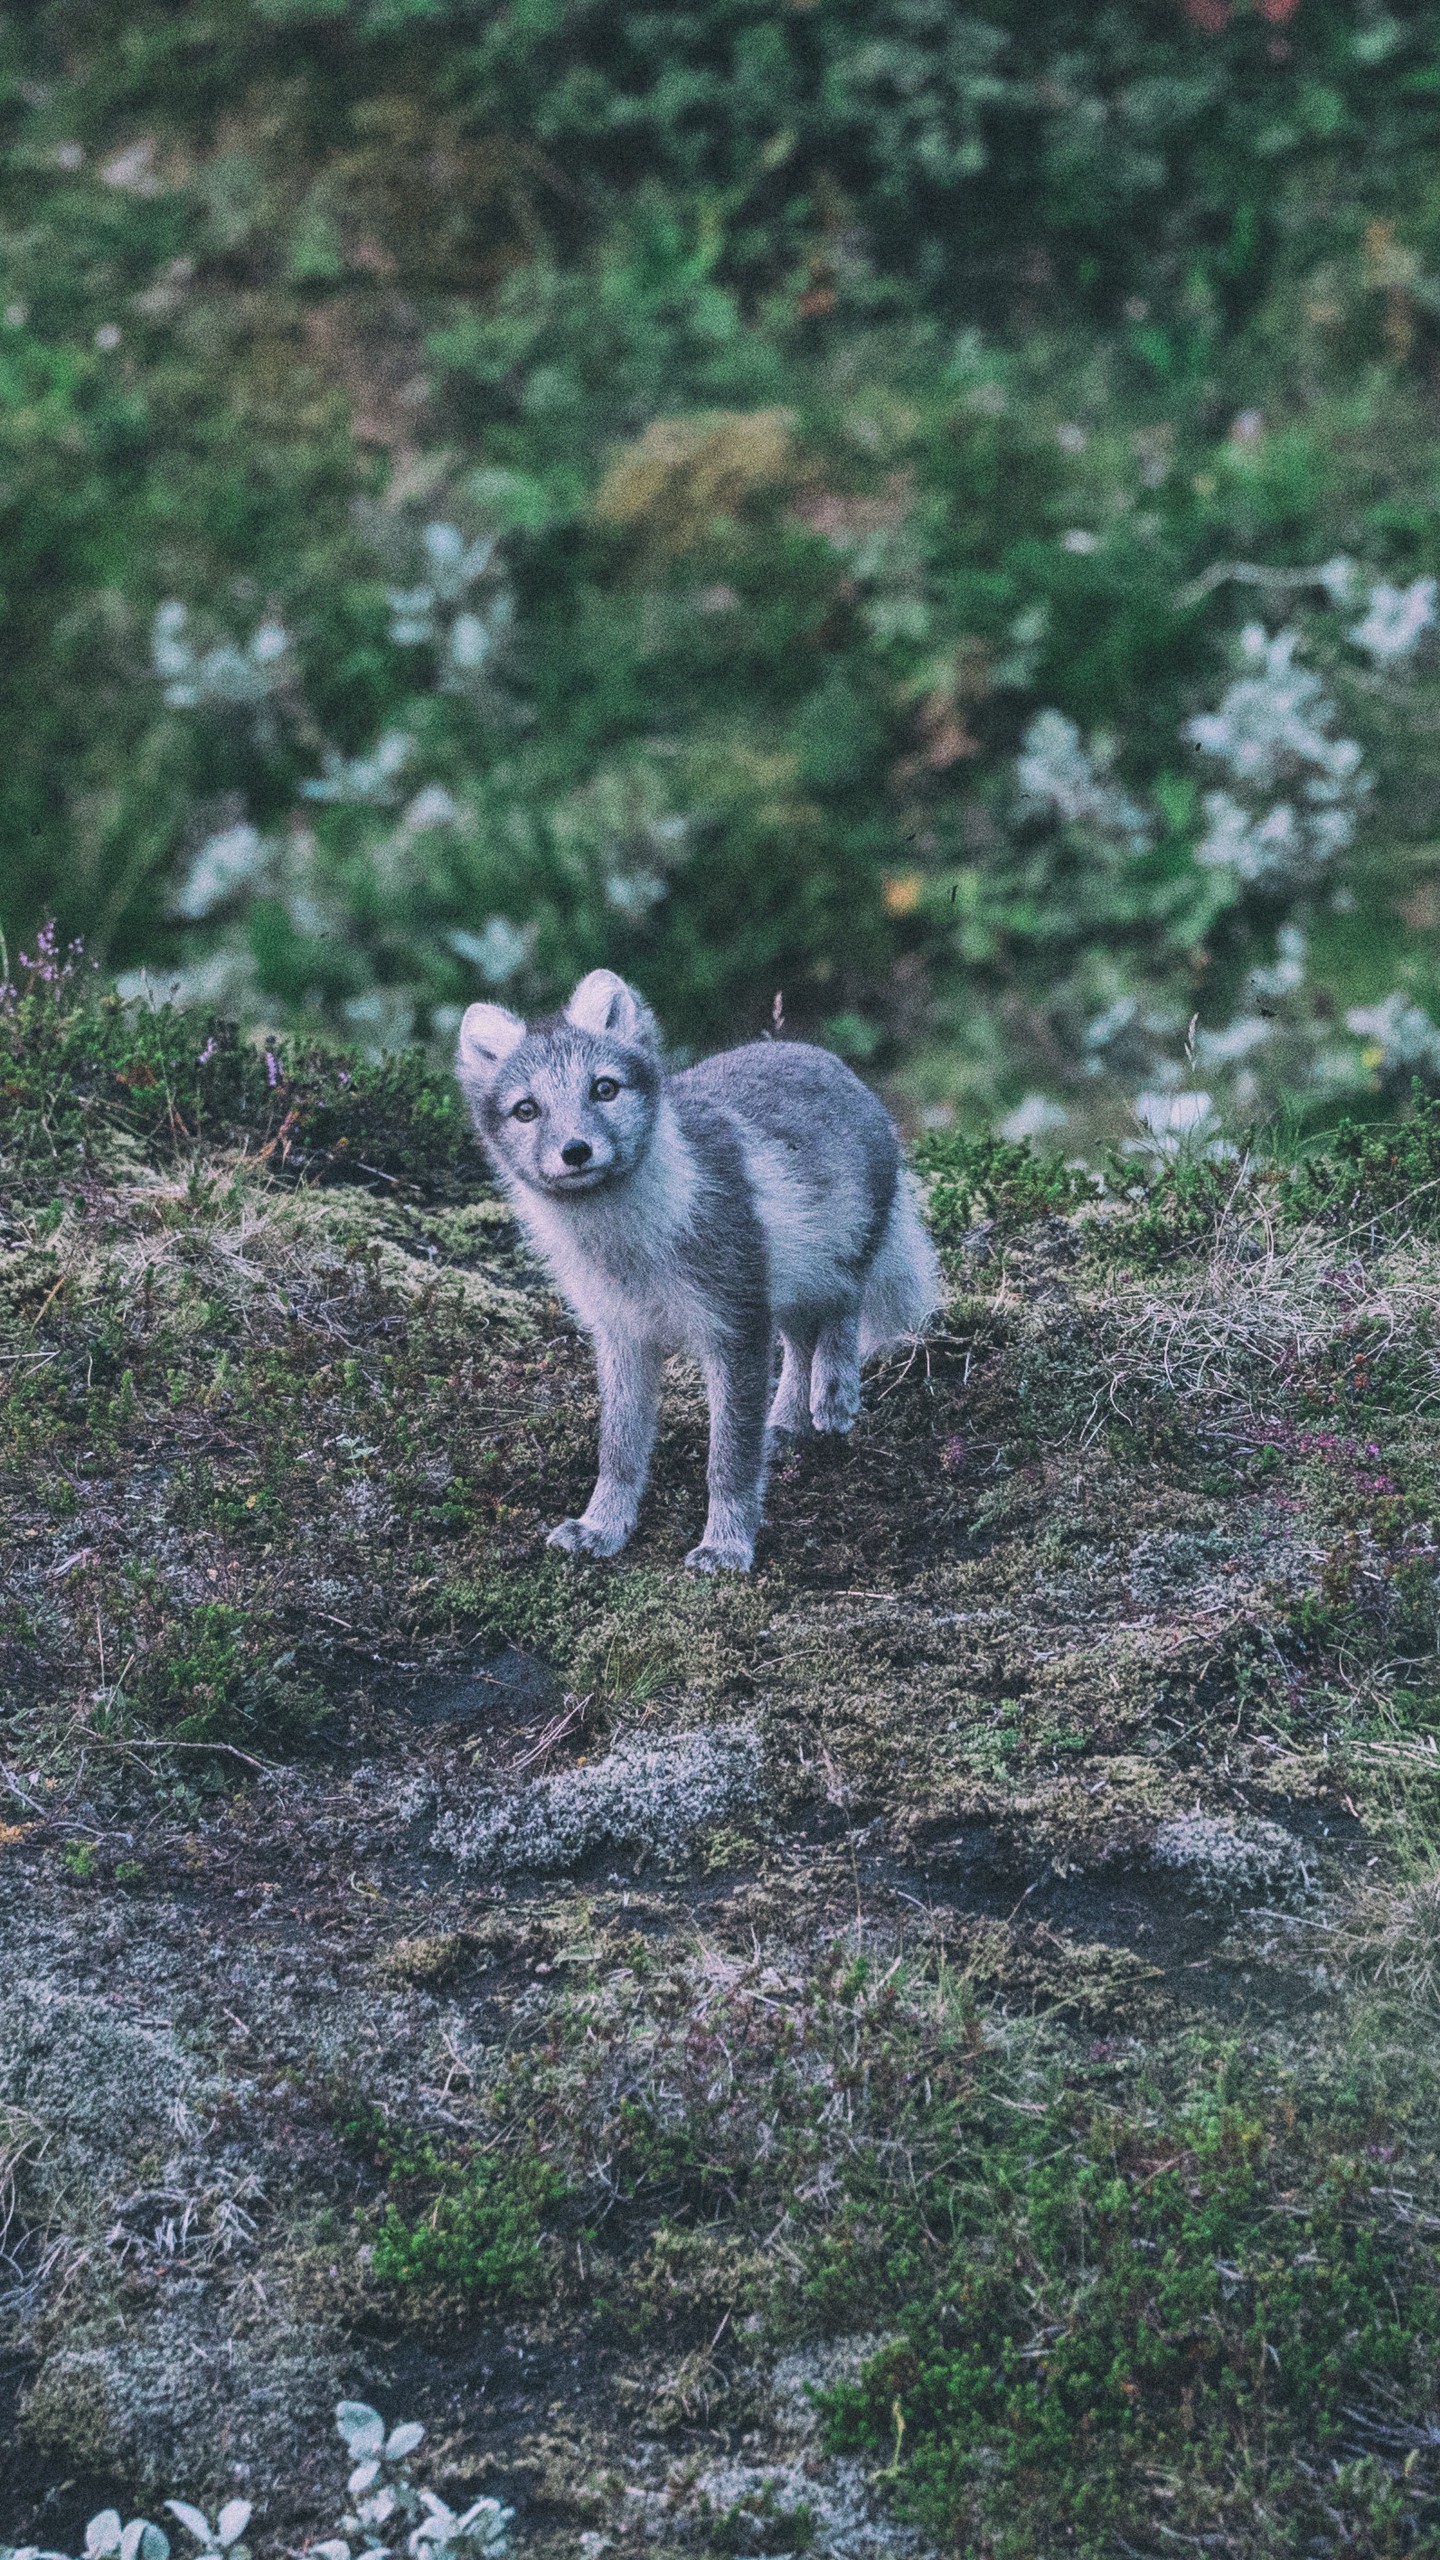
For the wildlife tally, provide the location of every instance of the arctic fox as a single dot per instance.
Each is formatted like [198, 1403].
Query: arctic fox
[759, 1193]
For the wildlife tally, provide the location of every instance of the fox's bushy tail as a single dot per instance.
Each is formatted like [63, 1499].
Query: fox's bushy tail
[903, 1288]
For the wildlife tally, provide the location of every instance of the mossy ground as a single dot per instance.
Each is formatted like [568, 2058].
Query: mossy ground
[1028, 2027]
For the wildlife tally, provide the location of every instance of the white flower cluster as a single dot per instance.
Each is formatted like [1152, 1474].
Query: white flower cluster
[1123, 1038]
[229, 677]
[1234, 1048]
[1395, 622]
[1291, 797]
[1285, 974]
[239, 863]
[446, 612]
[620, 824]
[361, 781]
[1273, 734]
[1063, 778]
[1174, 1123]
[227, 864]
[1399, 1035]
[499, 951]
[1035, 1116]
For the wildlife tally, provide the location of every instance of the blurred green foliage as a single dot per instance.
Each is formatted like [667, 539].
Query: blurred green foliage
[626, 486]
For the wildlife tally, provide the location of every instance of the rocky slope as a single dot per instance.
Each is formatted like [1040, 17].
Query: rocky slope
[934, 2042]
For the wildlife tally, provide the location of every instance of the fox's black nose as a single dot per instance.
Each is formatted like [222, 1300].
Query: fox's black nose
[577, 1153]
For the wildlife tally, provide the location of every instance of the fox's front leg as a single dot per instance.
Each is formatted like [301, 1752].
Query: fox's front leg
[737, 1378]
[629, 1409]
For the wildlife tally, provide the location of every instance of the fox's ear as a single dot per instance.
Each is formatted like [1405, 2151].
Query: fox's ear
[603, 1002]
[487, 1035]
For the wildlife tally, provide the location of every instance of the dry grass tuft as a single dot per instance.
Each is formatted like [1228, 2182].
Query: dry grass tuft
[1235, 1334]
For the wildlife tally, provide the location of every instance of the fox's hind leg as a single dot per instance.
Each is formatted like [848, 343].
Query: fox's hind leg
[835, 1375]
[790, 1412]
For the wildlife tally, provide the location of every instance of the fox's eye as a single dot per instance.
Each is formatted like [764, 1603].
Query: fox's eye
[526, 1110]
[604, 1089]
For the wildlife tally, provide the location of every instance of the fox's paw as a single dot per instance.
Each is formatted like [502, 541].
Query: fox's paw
[786, 1439]
[729, 1555]
[580, 1538]
[835, 1406]
[789, 1418]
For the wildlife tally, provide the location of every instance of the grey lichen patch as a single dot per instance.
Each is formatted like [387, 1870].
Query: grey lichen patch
[484, 1233]
[100, 2089]
[651, 1794]
[184, 2401]
[406, 1256]
[1203, 1569]
[827, 2505]
[477, 1226]
[623, 1633]
[1168, 1561]
[656, 1628]
[1226, 1862]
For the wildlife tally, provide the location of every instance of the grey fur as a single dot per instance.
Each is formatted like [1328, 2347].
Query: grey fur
[759, 1195]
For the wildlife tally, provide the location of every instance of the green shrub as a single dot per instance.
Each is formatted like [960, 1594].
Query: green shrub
[1094, 2291]
[1366, 1174]
[973, 1178]
[211, 1681]
[472, 2227]
[1172, 1208]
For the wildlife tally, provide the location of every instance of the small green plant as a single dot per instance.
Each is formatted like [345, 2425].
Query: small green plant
[390, 2514]
[971, 1178]
[210, 1682]
[221, 2536]
[471, 2227]
[1365, 1173]
[78, 1860]
[1167, 1209]
[387, 2501]
[762, 2525]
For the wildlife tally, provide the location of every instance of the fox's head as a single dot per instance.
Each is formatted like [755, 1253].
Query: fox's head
[568, 1105]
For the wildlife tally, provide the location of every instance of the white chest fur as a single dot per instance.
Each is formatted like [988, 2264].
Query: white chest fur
[618, 1253]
